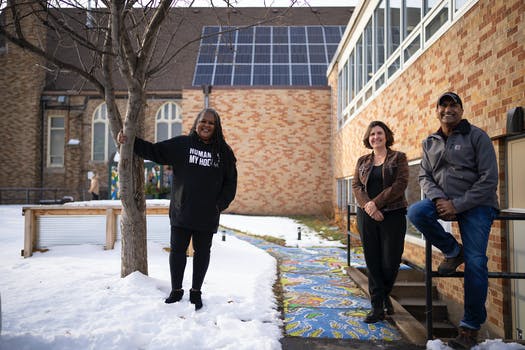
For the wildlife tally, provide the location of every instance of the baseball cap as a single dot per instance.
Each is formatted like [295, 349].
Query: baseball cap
[452, 96]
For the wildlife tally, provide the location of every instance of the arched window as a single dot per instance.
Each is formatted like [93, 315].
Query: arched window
[102, 142]
[168, 122]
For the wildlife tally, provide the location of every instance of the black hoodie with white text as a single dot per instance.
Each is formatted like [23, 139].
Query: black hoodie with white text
[203, 185]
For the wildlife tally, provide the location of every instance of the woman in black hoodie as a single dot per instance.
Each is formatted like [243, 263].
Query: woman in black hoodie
[204, 184]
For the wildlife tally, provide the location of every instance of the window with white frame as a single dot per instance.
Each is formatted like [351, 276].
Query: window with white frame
[394, 35]
[55, 144]
[103, 145]
[168, 122]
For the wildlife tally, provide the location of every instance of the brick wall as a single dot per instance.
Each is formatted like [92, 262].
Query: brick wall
[21, 82]
[481, 57]
[281, 138]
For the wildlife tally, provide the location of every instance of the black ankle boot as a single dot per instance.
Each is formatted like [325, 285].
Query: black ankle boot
[175, 295]
[195, 298]
[389, 308]
[375, 315]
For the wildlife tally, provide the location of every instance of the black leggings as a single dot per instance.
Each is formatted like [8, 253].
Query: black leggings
[383, 245]
[179, 242]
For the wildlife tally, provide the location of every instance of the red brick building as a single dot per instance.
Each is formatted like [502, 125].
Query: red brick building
[392, 65]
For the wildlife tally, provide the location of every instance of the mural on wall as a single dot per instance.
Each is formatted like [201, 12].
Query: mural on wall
[157, 178]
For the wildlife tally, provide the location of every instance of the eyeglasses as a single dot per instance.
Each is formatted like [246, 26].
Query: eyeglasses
[204, 121]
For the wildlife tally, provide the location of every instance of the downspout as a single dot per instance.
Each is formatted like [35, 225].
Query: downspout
[42, 132]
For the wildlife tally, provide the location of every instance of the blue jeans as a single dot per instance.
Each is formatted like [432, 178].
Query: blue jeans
[474, 227]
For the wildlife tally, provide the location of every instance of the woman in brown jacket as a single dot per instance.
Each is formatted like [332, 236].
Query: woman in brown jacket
[379, 184]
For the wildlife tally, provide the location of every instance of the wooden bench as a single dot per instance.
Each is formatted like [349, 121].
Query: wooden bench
[110, 212]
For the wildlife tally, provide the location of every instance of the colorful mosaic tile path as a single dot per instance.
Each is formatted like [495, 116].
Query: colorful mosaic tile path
[320, 300]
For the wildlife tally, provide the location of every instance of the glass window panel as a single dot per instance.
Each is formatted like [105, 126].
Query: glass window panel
[430, 5]
[176, 129]
[315, 35]
[280, 35]
[203, 74]
[223, 75]
[162, 131]
[263, 35]
[281, 75]
[332, 34]
[297, 35]
[300, 75]
[56, 140]
[244, 54]
[57, 122]
[281, 54]
[394, 28]
[262, 54]
[112, 148]
[299, 54]
[413, 15]
[99, 136]
[412, 48]
[345, 85]
[261, 75]
[460, 4]
[225, 54]
[317, 53]
[245, 36]
[379, 15]
[242, 75]
[318, 73]
[207, 54]
[369, 68]
[206, 32]
[380, 81]
[330, 50]
[436, 23]
[351, 77]
[394, 66]
[359, 65]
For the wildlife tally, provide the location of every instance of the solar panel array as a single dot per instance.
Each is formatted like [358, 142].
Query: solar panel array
[266, 55]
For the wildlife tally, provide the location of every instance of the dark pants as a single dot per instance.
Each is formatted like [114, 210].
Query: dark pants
[179, 242]
[383, 245]
[94, 196]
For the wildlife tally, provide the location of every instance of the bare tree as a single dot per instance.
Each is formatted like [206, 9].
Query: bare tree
[113, 46]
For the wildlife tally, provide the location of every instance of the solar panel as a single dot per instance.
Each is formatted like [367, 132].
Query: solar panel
[266, 55]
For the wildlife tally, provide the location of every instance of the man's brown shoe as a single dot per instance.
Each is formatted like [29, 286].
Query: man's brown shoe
[467, 338]
[449, 265]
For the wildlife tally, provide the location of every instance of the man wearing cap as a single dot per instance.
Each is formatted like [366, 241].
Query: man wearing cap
[459, 177]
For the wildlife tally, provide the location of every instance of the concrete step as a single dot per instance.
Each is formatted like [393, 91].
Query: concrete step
[411, 289]
[444, 329]
[417, 306]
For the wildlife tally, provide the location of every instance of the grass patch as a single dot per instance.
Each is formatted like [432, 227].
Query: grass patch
[322, 225]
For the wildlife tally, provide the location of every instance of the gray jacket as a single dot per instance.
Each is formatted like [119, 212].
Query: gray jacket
[462, 168]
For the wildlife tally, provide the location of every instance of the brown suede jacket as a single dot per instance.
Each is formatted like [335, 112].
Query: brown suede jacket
[395, 181]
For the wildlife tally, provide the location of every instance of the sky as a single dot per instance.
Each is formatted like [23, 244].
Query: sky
[72, 297]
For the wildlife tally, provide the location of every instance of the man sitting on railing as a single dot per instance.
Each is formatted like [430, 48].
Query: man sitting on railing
[459, 177]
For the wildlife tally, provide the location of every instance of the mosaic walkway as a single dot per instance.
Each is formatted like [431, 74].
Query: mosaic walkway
[320, 300]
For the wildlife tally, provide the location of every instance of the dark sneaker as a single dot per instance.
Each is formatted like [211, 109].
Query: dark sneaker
[389, 308]
[175, 295]
[449, 265]
[195, 298]
[375, 315]
[467, 338]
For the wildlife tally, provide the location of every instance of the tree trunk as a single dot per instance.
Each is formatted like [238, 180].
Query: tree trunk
[131, 181]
